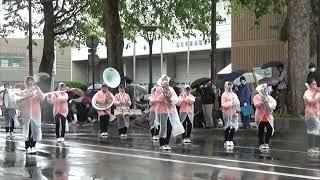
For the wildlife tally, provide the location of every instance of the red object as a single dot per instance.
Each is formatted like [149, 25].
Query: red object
[86, 100]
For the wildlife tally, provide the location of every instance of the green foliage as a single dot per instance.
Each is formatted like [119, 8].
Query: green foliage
[174, 18]
[259, 8]
[72, 20]
[76, 84]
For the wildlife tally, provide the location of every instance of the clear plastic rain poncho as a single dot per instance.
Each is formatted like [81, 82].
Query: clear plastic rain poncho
[31, 113]
[167, 110]
[186, 106]
[312, 113]
[154, 123]
[230, 107]
[260, 106]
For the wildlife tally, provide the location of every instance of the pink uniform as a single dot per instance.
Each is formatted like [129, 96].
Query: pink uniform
[152, 103]
[261, 110]
[162, 104]
[228, 101]
[186, 103]
[312, 103]
[31, 106]
[100, 98]
[59, 100]
[122, 101]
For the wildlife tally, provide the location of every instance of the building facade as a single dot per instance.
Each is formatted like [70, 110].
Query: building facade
[14, 60]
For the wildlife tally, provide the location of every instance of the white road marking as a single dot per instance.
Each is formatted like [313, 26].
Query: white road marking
[189, 163]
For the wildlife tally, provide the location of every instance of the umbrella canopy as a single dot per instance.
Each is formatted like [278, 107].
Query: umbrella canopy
[77, 91]
[272, 64]
[270, 81]
[42, 76]
[86, 100]
[19, 86]
[234, 75]
[96, 86]
[136, 92]
[199, 82]
[219, 84]
[249, 78]
[125, 79]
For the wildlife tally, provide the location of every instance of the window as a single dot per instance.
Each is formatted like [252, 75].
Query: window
[11, 60]
[178, 44]
[196, 43]
[200, 42]
[181, 44]
[186, 43]
[4, 63]
[205, 42]
[191, 43]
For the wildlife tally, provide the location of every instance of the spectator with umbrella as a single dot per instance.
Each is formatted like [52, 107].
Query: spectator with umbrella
[207, 99]
[283, 88]
[244, 95]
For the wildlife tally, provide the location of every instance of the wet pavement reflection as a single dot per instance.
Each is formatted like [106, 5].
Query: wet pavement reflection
[86, 156]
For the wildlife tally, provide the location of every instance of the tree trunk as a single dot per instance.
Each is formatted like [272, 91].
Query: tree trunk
[213, 74]
[299, 50]
[318, 37]
[114, 35]
[46, 64]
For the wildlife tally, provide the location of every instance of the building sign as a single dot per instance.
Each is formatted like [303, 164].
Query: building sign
[263, 72]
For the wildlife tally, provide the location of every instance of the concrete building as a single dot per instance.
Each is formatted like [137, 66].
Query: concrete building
[14, 60]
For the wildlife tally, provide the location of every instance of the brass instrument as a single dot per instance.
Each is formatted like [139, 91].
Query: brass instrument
[112, 79]
[262, 91]
[167, 94]
[105, 105]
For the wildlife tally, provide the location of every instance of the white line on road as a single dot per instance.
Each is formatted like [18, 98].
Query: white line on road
[189, 163]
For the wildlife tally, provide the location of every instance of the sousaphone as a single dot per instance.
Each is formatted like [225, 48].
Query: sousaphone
[112, 79]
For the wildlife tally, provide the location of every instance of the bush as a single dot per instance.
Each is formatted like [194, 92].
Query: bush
[77, 84]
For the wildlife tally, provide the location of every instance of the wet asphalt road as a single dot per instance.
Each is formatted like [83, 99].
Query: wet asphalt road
[86, 156]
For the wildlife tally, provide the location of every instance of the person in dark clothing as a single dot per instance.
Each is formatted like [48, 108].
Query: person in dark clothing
[244, 95]
[207, 99]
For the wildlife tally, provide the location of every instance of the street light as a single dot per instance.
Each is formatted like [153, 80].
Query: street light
[30, 39]
[150, 30]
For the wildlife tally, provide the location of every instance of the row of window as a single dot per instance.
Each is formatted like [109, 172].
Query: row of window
[11, 60]
[195, 43]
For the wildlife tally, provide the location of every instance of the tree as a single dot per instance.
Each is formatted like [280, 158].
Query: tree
[298, 40]
[64, 21]
[214, 72]
[174, 18]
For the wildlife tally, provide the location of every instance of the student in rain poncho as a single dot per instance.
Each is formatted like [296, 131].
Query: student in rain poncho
[186, 100]
[59, 99]
[265, 104]
[122, 101]
[31, 98]
[166, 112]
[154, 125]
[312, 105]
[230, 108]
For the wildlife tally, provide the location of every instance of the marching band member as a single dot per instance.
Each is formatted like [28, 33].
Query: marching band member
[312, 104]
[166, 112]
[31, 114]
[59, 99]
[186, 100]
[154, 125]
[103, 96]
[9, 110]
[264, 104]
[122, 101]
[230, 108]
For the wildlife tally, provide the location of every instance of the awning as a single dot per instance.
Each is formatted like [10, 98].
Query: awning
[226, 70]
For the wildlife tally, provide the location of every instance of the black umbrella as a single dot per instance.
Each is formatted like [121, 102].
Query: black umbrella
[199, 82]
[272, 64]
[232, 76]
[126, 80]
[219, 84]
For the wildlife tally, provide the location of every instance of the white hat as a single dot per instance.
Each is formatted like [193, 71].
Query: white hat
[261, 87]
[163, 78]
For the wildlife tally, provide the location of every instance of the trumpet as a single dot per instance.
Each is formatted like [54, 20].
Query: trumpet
[167, 94]
[53, 93]
[265, 100]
